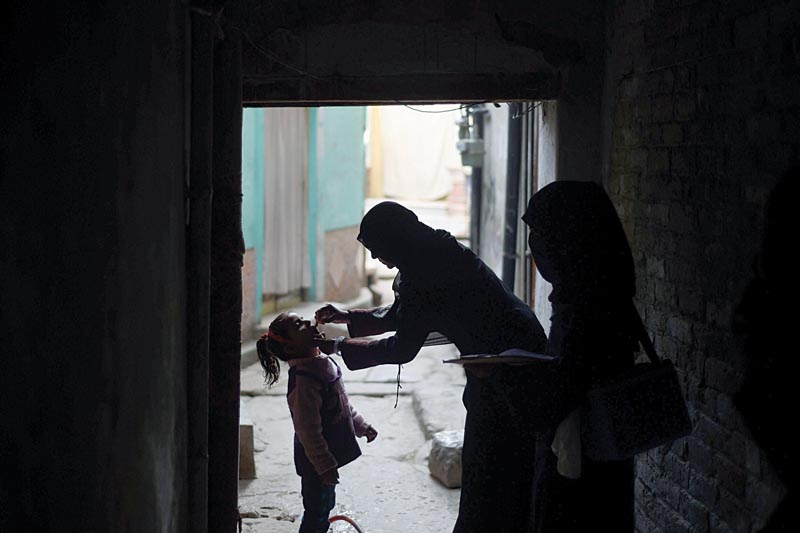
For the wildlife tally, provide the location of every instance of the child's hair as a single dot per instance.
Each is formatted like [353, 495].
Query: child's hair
[270, 349]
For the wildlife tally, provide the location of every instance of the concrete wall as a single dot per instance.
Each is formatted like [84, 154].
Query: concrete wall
[92, 273]
[702, 117]
[493, 187]
[547, 170]
[252, 216]
[337, 184]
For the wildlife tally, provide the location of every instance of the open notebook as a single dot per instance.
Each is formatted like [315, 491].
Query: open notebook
[512, 356]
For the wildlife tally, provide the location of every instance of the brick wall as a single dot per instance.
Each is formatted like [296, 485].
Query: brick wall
[702, 117]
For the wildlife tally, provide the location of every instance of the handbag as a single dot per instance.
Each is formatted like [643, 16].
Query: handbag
[637, 410]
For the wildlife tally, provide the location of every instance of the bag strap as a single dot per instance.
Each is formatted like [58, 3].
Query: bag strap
[644, 337]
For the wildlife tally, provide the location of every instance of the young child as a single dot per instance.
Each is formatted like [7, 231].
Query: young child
[325, 424]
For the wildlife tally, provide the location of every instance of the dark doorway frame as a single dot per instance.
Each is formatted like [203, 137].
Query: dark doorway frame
[232, 91]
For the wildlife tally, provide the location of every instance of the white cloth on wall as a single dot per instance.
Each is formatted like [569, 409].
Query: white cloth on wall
[287, 267]
[420, 157]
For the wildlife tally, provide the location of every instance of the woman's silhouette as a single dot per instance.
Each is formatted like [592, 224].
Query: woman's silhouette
[579, 246]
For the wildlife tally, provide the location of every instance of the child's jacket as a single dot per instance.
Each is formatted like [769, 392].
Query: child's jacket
[325, 423]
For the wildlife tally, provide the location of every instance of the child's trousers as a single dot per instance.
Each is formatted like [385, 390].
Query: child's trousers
[318, 500]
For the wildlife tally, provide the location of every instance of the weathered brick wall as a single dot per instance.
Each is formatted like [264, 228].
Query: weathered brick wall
[701, 117]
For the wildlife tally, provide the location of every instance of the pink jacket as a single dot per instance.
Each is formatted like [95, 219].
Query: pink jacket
[305, 401]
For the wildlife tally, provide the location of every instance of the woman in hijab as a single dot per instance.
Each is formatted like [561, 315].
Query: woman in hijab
[579, 246]
[444, 287]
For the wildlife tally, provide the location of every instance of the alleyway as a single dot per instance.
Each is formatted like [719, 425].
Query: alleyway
[389, 488]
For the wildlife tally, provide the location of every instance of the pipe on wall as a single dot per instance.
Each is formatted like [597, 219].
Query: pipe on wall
[513, 165]
[476, 186]
[227, 253]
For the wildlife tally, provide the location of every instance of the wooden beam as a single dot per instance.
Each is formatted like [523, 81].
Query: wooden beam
[262, 91]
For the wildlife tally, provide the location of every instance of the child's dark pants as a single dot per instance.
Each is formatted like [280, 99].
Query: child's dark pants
[318, 500]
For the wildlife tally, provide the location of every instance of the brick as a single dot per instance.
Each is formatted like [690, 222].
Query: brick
[647, 475]
[662, 108]
[641, 491]
[717, 314]
[750, 30]
[668, 348]
[679, 219]
[658, 513]
[707, 429]
[643, 523]
[780, 12]
[667, 80]
[717, 39]
[695, 512]
[709, 71]
[703, 488]
[711, 162]
[731, 477]
[718, 525]
[672, 134]
[695, 393]
[704, 15]
[753, 457]
[679, 329]
[715, 253]
[656, 31]
[630, 87]
[652, 135]
[776, 157]
[741, 161]
[719, 375]
[742, 103]
[652, 187]
[686, 78]
[679, 452]
[688, 47]
[729, 415]
[711, 101]
[665, 295]
[683, 160]
[667, 243]
[623, 113]
[636, 159]
[690, 302]
[762, 128]
[678, 471]
[734, 511]
[681, 272]
[763, 498]
[658, 213]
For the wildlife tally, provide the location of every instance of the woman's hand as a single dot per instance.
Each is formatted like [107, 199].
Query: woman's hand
[331, 477]
[325, 345]
[331, 314]
[371, 433]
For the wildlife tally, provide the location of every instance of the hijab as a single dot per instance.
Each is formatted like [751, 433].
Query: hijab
[392, 232]
[578, 243]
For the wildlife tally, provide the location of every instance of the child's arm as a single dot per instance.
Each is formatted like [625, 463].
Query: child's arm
[304, 402]
[362, 428]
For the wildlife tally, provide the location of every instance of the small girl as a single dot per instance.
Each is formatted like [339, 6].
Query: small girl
[325, 424]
